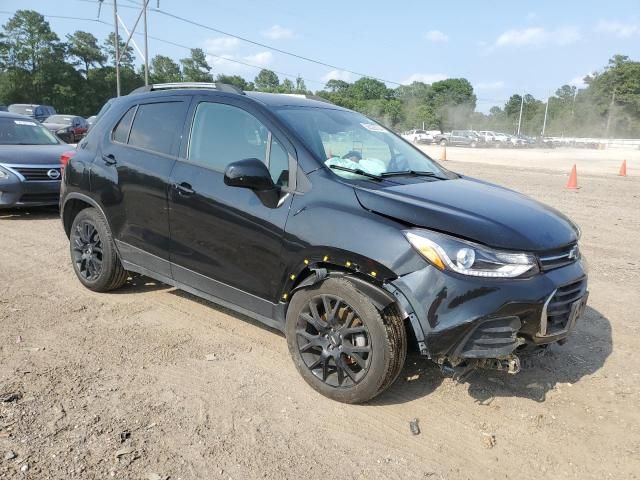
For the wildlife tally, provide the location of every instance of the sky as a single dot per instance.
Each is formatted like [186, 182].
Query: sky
[501, 47]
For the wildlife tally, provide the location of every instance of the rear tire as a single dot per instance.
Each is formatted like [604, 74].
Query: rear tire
[93, 252]
[443, 143]
[341, 344]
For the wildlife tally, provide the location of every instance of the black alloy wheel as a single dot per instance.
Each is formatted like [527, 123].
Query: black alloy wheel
[93, 253]
[341, 344]
[334, 343]
[87, 251]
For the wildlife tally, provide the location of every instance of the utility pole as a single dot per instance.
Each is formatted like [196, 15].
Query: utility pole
[613, 99]
[546, 109]
[117, 45]
[520, 118]
[146, 45]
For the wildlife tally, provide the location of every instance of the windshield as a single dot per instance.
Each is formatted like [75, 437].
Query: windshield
[15, 131]
[349, 140]
[64, 119]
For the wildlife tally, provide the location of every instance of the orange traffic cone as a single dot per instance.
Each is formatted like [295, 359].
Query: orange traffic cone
[572, 184]
[444, 154]
[623, 169]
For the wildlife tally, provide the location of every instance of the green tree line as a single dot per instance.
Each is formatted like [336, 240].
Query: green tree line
[76, 75]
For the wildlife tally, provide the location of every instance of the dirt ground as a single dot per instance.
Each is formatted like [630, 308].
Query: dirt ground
[602, 162]
[149, 382]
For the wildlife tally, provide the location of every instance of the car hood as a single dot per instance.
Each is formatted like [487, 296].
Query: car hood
[55, 126]
[473, 209]
[32, 154]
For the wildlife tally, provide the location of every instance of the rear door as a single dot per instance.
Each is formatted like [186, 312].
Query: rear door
[132, 178]
[224, 240]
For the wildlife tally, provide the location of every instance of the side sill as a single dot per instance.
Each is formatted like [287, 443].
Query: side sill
[275, 324]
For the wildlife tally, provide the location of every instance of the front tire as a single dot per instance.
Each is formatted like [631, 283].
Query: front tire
[93, 253]
[341, 344]
[443, 143]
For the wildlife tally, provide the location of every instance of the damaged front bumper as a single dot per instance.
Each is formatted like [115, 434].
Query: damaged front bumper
[469, 320]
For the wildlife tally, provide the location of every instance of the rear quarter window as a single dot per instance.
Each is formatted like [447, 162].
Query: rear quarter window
[158, 126]
[121, 132]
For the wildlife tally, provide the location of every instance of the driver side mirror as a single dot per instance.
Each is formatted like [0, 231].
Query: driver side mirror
[253, 174]
[250, 173]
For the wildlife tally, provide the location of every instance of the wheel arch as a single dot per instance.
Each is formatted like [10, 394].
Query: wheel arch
[73, 204]
[383, 294]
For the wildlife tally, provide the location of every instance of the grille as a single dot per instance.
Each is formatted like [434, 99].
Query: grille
[559, 307]
[36, 174]
[559, 257]
[40, 198]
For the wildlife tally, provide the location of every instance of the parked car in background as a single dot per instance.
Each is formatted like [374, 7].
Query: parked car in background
[4, 108]
[528, 141]
[515, 141]
[496, 139]
[70, 128]
[39, 112]
[420, 136]
[489, 136]
[30, 168]
[459, 138]
[501, 138]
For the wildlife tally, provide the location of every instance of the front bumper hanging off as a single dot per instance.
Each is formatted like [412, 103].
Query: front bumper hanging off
[485, 322]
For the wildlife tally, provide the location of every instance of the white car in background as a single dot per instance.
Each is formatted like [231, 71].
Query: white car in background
[502, 138]
[420, 136]
[495, 138]
[488, 136]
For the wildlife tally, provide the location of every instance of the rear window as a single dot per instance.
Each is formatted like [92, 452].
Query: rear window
[157, 126]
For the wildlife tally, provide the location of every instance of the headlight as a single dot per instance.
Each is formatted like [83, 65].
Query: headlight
[3, 173]
[468, 258]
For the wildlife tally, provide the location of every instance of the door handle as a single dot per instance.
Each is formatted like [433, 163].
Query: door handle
[184, 189]
[109, 159]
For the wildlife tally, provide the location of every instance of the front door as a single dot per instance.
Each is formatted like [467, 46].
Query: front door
[224, 240]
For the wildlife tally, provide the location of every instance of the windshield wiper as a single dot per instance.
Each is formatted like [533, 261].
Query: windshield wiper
[414, 173]
[356, 171]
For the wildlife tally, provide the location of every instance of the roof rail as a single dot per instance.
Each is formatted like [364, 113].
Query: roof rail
[222, 87]
[309, 97]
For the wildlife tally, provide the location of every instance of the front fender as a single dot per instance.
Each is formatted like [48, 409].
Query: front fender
[327, 226]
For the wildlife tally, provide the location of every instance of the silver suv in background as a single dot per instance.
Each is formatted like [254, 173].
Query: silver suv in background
[38, 112]
[467, 138]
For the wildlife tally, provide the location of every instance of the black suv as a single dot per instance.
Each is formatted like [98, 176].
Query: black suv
[323, 224]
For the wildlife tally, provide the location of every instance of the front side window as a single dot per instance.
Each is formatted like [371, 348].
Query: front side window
[350, 140]
[157, 126]
[222, 134]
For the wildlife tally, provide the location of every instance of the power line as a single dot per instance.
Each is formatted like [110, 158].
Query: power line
[258, 67]
[260, 44]
[169, 42]
[4, 12]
